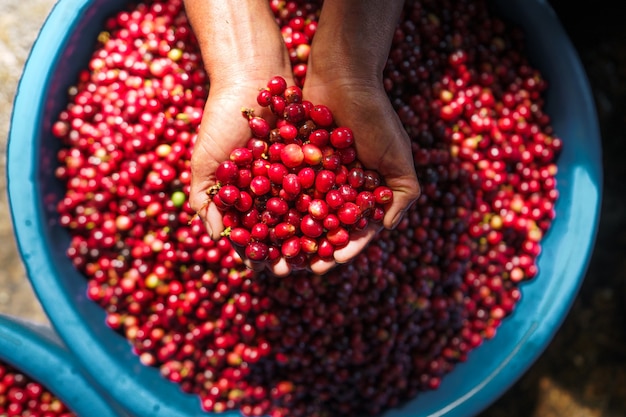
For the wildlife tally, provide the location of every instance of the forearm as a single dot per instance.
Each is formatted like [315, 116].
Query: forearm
[354, 37]
[237, 39]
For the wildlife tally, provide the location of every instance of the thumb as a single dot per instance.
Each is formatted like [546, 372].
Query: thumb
[406, 191]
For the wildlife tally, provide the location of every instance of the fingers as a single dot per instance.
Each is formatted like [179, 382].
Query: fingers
[403, 199]
[321, 266]
[358, 241]
[208, 212]
[213, 222]
[342, 255]
[281, 268]
[398, 169]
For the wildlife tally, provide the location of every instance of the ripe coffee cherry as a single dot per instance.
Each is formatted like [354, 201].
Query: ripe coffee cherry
[284, 230]
[256, 251]
[291, 185]
[241, 156]
[264, 98]
[356, 177]
[276, 172]
[331, 221]
[306, 176]
[383, 195]
[278, 105]
[291, 247]
[292, 155]
[260, 185]
[288, 132]
[366, 201]
[276, 86]
[240, 236]
[341, 137]
[308, 245]
[322, 116]
[259, 127]
[259, 231]
[325, 249]
[227, 172]
[338, 237]
[244, 202]
[349, 213]
[294, 113]
[277, 206]
[318, 209]
[311, 227]
[293, 94]
[319, 138]
[258, 147]
[324, 181]
[334, 199]
[229, 195]
[302, 202]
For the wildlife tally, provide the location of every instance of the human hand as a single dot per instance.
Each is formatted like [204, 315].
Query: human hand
[242, 48]
[223, 129]
[382, 145]
[345, 72]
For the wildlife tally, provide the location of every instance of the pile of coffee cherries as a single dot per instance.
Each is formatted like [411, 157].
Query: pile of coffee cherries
[369, 334]
[20, 396]
[297, 189]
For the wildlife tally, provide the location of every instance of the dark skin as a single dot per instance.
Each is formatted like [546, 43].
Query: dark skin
[242, 49]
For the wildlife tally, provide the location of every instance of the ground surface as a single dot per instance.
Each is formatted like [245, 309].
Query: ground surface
[583, 371]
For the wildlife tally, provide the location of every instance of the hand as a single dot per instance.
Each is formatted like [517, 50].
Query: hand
[345, 70]
[242, 48]
[381, 142]
[223, 129]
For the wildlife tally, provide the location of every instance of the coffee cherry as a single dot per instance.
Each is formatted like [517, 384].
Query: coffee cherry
[383, 195]
[22, 396]
[276, 86]
[349, 213]
[240, 236]
[292, 155]
[264, 98]
[322, 116]
[229, 195]
[256, 251]
[294, 113]
[227, 173]
[293, 94]
[312, 154]
[259, 127]
[341, 137]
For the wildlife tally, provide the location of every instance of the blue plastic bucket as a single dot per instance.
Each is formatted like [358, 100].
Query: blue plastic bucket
[37, 352]
[64, 46]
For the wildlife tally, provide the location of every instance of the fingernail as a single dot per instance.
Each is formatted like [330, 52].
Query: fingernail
[209, 230]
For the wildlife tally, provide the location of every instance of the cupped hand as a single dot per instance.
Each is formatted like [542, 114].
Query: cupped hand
[224, 128]
[382, 144]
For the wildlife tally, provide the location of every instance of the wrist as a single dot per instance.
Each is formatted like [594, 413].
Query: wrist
[239, 41]
[337, 67]
[353, 38]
